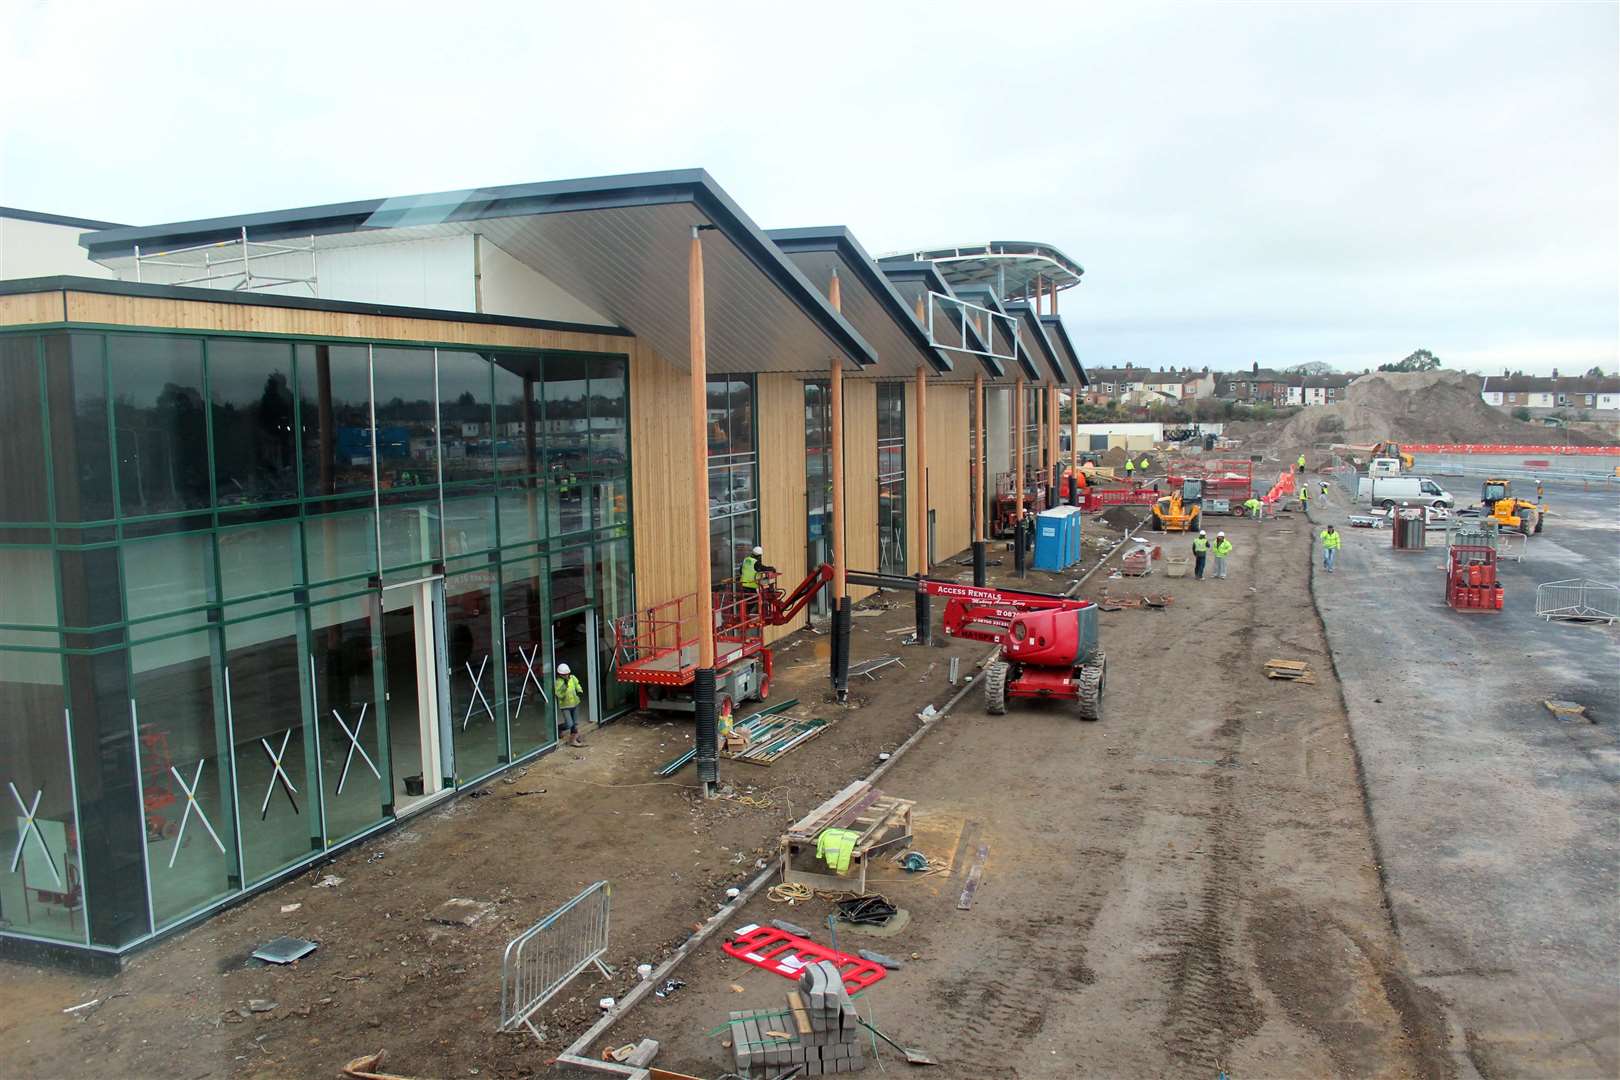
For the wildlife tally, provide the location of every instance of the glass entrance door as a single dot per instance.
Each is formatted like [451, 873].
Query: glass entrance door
[412, 694]
[573, 642]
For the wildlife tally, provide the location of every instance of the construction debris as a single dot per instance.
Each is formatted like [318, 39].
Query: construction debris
[762, 739]
[284, 950]
[975, 875]
[1292, 670]
[1120, 603]
[868, 667]
[459, 911]
[1567, 710]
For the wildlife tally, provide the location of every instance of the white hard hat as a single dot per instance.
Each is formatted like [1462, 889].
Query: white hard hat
[1220, 534]
[563, 669]
[758, 550]
[1201, 532]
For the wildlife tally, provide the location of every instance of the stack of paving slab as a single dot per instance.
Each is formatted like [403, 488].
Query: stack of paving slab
[818, 1030]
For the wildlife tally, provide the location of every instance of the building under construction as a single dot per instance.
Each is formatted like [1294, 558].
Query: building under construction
[301, 510]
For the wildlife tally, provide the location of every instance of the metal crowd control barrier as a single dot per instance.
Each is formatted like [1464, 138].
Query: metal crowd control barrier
[1578, 599]
[541, 960]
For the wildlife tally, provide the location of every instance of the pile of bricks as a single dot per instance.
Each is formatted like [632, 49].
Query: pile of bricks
[818, 1030]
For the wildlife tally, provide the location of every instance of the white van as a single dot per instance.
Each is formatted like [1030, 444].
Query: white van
[1388, 491]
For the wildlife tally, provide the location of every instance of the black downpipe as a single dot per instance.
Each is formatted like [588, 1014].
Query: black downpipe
[1074, 487]
[1018, 548]
[979, 563]
[840, 649]
[925, 619]
[708, 733]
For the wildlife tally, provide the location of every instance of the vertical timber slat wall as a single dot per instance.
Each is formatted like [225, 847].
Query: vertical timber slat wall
[950, 484]
[779, 403]
[860, 479]
[661, 478]
[914, 483]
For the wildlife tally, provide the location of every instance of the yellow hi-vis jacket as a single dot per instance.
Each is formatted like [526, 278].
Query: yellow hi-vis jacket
[835, 846]
[1331, 539]
[1223, 548]
[568, 691]
[750, 573]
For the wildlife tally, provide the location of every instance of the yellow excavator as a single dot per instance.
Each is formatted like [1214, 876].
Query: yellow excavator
[1180, 510]
[1510, 513]
[1392, 450]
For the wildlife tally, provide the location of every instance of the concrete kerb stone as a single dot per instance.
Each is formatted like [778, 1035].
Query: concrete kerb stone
[1457, 1039]
[576, 1053]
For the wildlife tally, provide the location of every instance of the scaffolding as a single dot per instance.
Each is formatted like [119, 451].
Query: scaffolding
[230, 261]
[957, 317]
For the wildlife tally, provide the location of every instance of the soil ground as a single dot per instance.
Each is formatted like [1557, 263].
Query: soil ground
[385, 977]
[1185, 888]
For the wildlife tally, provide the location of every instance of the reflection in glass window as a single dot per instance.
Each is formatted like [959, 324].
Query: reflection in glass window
[334, 405]
[569, 589]
[518, 412]
[478, 723]
[609, 442]
[276, 789]
[347, 718]
[567, 442]
[168, 574]
[44, 895]
[528, 656]
[190, 852]
[733, 476]
[615, 597]
[340, 546]
[891, 468]
[81, 457]
[407, 437]
[466, 424]
[160, 423]
[250, 392]
[23, 495]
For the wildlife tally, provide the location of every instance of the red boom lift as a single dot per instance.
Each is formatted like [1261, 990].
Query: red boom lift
[656, 649]
[1049, 644]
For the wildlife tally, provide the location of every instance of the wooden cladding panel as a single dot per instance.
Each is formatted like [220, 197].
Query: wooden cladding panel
[860, 479]
[782, 506]
[146, 311]
[661, 478]
[950, 492]
[30, 309]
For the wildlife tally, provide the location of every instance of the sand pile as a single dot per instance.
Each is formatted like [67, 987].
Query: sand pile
[1411, 407]
[1112, 459]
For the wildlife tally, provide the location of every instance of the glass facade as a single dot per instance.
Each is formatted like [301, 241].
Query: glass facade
[891, 477]
[1032, 435]
[202, 683]
[733, 476]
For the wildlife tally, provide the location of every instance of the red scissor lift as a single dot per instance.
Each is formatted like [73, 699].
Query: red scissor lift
[656, 650]
[1004, 507]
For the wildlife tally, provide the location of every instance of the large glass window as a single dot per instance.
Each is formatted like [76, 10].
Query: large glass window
[567, 442]
[250, 390]
[44, 894]
[525, 630]
[891, 477]
[818, 481]
[81, 454]
[733, 476]
[610, 442]
[478, 725]
[190, 841]
[160, 423]
[407, 434]
[277, 792]
[345, 697]
[334, 413]
[1032, 450]
[615, 597]
[23, 494]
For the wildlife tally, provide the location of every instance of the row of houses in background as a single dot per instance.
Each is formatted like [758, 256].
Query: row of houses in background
[1569, 396]
[1545, 395]
[1258, 386]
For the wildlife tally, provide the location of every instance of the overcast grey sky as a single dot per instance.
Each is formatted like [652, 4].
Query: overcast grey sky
[1273, 183]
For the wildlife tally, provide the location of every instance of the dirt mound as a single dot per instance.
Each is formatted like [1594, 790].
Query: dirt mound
[1412, 407]
[1113, 458]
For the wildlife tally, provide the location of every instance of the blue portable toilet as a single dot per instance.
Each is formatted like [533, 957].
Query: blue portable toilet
[1056, 538]
[1075, 519]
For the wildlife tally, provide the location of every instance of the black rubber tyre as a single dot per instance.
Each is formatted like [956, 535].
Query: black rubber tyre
[1529, 521]
[1089, 703]
[1539, 520]
[995, 688]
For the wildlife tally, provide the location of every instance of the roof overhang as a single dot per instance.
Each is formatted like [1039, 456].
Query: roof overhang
[869, 301]
[1059, 336]
[1011, 267]
[619, 244]
[1033, 334]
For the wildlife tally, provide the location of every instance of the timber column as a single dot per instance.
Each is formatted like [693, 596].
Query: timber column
[708, 749]
[840, 582]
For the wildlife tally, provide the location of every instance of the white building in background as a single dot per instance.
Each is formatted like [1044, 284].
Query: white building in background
[46, 245]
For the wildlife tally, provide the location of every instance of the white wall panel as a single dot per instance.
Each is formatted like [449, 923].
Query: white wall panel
[509, 287]
[434, 273]
[35, 249]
